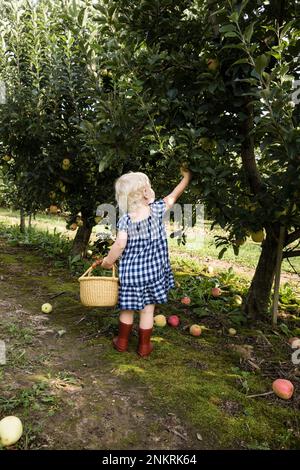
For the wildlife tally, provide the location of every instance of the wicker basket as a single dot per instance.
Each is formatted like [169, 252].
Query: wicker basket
[98, 291]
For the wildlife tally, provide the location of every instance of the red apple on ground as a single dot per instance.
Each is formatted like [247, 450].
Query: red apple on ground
[186, 300]
[195, 330]
[173, 320]
[216, 292]
[283, 388]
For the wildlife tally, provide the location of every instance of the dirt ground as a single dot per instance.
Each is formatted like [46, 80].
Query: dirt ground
[97, 409]
[73, 391]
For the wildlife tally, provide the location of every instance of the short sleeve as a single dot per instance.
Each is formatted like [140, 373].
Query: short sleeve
[123, 223]
[158, 207]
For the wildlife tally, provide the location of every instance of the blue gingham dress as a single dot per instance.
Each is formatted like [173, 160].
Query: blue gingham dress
[145, 273]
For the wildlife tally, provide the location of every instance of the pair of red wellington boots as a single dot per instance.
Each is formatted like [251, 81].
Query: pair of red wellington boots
[120, 343]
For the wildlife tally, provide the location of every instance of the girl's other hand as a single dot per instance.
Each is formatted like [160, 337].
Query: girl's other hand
[105, 264]
[96, 263]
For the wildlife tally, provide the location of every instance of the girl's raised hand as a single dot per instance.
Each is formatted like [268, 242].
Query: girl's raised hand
[185, 172]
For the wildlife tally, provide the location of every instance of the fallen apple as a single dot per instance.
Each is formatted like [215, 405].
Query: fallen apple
[232, 331]
[89, 253]
[210, 269]
[195, 330]
[173, 320]
[216, 292]
[6, 158]
[160, 320]
[283, 388]
[80, 223]
[295, 343]
[186, 300]
[46, 308]
[73, 226]
[237, 299]
[11, 429]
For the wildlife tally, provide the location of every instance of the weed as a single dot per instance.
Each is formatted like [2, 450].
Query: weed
[28, 398]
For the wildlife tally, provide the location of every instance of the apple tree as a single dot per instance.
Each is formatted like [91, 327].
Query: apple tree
[220, 78]
[47, 67]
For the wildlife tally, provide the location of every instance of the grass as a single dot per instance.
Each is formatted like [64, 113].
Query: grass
[248, 253]
[203, 382]
[202, 246]
[28, 399]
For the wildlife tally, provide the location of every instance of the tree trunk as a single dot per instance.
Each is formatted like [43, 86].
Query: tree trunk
[22, 221]
[258, 298]
[82, 237]
[277, 275]
[29, 220]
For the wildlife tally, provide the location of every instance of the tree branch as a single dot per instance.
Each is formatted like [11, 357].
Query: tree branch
[292, 237]
[212, 18]
[291, 254]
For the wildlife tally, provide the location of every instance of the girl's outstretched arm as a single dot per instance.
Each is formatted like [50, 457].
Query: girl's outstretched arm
[179, 189]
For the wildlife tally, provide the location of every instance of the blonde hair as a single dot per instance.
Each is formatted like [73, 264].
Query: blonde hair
[129, 190]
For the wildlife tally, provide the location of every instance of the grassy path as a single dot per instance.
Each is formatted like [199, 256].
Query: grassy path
[73, 391]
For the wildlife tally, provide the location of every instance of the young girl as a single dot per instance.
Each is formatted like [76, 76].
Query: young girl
[144, 270]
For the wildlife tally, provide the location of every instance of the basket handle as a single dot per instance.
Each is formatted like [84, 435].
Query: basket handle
[88, 272]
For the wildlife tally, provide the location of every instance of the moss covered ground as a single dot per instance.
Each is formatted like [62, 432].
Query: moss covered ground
[72, 390]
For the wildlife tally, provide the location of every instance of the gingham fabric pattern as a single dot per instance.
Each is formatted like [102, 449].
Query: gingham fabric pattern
[144, 270]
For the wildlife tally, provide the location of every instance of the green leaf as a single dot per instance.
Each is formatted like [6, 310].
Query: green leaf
[243, 6]
[231, 34]
[234, 16]
[227, 27]
[241, 61]
[249, 32]
[102, 165]
[200, 312]
[221, 253]
[236, 250]
[261, 62]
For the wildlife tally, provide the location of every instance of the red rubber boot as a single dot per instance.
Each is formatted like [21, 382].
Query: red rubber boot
[145, 346]
[121, 341]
